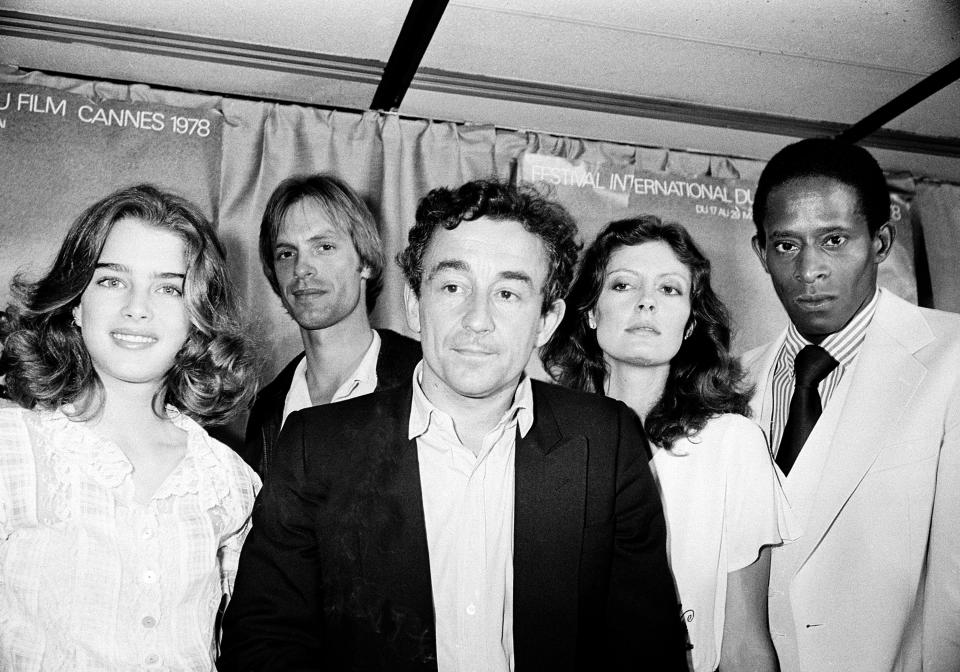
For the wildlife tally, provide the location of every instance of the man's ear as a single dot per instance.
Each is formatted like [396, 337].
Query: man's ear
[412, 307]
[883, 241]
[761, 251]
[550, 320]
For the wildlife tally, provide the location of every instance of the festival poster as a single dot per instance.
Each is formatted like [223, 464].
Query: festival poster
[718, 214]
[61, 152]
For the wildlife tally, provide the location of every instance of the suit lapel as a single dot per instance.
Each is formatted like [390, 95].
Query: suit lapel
[885, 379]
[550, 494]
[760, 363]
[400, 563]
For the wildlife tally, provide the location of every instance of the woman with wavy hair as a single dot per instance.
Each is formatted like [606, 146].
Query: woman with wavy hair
[121, 519]
[644, 326]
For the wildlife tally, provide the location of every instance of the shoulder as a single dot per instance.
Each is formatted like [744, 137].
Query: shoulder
[391, 340]
[580, 412]
[753, 360]
[724, 436]
[281, 382]
[14, 430]
[229, 460]
[375, 412]
[398, 357]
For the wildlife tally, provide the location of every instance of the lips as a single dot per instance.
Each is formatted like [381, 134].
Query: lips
[643, 330]
[306, 292]
[814, 301]
[129, 339]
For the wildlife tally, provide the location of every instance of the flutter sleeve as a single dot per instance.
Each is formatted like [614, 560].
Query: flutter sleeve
[756, 511]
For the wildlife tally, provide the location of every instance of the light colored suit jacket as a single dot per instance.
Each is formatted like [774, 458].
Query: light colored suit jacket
[874, 582]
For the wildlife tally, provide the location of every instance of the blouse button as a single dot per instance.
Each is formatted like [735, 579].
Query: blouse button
[152, 659]
[149, 621]
[147, 533]
[149, 576]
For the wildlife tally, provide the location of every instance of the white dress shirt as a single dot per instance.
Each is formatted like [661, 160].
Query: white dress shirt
[362, 381]
[468, 505]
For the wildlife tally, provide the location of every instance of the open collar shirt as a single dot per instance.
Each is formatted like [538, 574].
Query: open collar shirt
[362, 381]
[468, 503]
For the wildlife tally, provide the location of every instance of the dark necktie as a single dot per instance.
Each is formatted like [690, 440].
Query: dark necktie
[811, 366]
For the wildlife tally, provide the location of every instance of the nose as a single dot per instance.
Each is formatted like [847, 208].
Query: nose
[477, 317]
[303, 268]
[648, 300]
[810, 265]
[137, 306]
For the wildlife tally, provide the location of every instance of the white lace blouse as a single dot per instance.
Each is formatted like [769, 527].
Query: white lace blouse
[90, 579]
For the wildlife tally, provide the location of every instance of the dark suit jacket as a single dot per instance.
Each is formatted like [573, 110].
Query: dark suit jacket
[336, 575]
[398, 357]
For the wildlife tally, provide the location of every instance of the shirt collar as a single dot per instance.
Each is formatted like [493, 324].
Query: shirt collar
[298, 394]
[422, 412]
[842, 345]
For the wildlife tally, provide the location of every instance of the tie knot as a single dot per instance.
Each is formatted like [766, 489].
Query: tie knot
[812, 365]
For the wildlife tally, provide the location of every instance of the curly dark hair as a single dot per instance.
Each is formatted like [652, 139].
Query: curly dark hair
[496, 199]
[705, 380]
[345, 209]
[44, 356]
[826, 157]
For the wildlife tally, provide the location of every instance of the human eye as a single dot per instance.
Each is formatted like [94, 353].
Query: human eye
[507, 295]
[324, 246]
[170, 290]
[672, 290]
[110, 282]
[450, 288]
[283, 254]
[835, 240]
[784, 247]
[618, 285]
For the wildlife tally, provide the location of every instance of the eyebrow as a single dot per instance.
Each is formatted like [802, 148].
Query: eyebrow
[464, 267]
[120, 268]
[819, 231]
[680, 275]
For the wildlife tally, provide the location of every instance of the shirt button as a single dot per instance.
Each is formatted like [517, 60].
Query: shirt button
[149, 621]
[147, 533]
[149, 576]
[152, 659]
[471, 610]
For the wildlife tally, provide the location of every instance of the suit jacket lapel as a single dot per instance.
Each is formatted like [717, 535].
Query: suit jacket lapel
[400, 564]
[886, 377]
[550, 492]
[761, 368]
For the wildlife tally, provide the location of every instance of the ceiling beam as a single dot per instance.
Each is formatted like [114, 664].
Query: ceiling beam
[415, 35]
[912, 96]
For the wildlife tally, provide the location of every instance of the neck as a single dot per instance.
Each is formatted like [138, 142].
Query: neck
[333, 353]
[128, 408]
[639, 387]
[473, 417]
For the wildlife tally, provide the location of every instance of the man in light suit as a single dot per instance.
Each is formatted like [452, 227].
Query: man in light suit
[472, 519]
[874, 473]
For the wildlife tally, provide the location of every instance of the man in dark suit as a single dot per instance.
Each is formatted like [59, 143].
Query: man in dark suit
[472, 519]
[322, 254]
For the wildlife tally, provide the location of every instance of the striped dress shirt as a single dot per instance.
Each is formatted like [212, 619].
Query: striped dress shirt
[843, 346]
